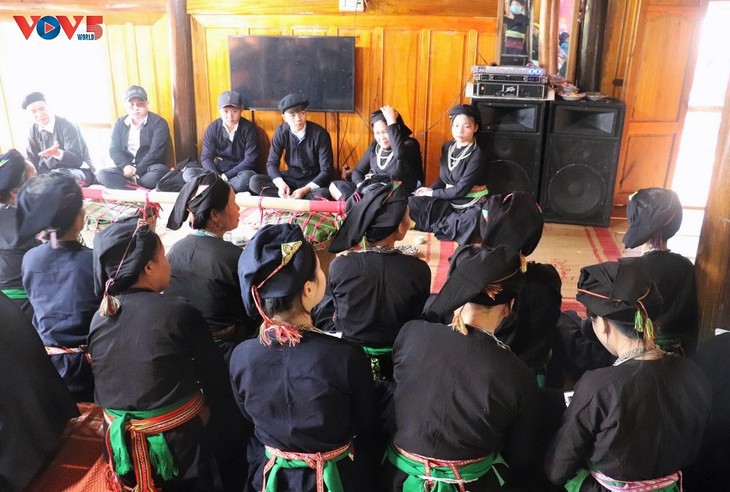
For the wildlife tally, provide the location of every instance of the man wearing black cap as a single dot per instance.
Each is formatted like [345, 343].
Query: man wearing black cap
[13, 172]
[230, 145]
[447, 208]
[464, 403]
[636, 424]
[58, 275]
[393, 154]
[139, 147]
[654, 216]
[56, 144]
[307, 151]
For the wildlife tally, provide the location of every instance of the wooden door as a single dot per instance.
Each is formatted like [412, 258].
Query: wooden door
[661, 65]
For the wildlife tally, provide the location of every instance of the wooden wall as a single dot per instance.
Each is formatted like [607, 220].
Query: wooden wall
[418, 64]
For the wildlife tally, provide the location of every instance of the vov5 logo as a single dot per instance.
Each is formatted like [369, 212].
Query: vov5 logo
[50, 26]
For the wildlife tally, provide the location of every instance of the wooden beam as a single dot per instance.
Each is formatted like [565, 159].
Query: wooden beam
[183, 96]
[713, 261]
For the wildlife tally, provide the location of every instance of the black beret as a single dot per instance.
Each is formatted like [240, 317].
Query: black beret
[615, 290]
[292, 100]
[513, 219]
[379, 209]
[276, 246]
[31, 98]
[129, 242]
[12, 167]
[651, 211]
[484, 276]
[466, 109]
[48, 201]
[206, 191]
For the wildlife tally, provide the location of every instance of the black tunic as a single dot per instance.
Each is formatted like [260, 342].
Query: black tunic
[640, 420]
[435, 213]
[34, 402]
[459, 397]
[375, 294]
[157, 351]
[711, 471]
[530, 332]
[307, 161]
[11, 257]
[204, 270]
[406, 164]
[315, 396]
[674, 276]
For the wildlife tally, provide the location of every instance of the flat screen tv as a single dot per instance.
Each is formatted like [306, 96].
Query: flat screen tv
[266, 68]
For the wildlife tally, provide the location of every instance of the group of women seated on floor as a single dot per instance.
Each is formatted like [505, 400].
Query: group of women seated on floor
[227, 369]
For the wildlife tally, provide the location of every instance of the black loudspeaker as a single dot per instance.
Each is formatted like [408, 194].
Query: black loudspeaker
[581, 155]
[511, 136]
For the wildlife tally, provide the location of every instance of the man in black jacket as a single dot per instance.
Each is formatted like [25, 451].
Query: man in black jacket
[139, 146]
[55, 144]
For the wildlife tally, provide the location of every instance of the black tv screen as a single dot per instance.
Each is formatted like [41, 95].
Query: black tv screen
[266, 68]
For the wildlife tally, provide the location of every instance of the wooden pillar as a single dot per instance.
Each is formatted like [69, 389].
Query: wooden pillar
[183, 96]
[713, 251]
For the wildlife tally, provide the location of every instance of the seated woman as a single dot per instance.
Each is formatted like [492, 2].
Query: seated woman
[393, 154]
[639, 422]
[654, 216]
[13, 173]
[374, 291]
[463, 400]
[35, 405]
[516, 220]
[307, 393]
[58, 275]
[161, 379]
[448, 208]
[203, 266]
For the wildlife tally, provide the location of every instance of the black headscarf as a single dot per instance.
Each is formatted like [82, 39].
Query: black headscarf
[375, 214]
[378, 115]
[12, 167]
[48, 201]
[468, 110]
[651, 211]
[618, 291]
[488, 277]
[513, 219]
[279, 248]
[203, 193]
[128, 241]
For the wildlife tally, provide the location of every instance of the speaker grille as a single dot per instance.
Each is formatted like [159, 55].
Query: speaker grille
[504, 176]
[577, 191]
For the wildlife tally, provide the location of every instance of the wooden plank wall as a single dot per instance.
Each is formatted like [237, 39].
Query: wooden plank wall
[420, 65]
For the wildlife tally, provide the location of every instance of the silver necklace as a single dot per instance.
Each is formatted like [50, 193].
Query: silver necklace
[379, 152]
[631, 354]
[377, 249]
[205, 232]
[500, 343]
[454, 161]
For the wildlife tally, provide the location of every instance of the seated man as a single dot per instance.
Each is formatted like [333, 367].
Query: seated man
[139, 147]
[230, 145]
[56, 144]
[307, 150]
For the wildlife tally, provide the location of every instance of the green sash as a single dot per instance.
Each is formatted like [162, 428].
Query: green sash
[15, 293]
[415, 470]
[575, 483]
[373, 354]
[160, 454]
[331, 475]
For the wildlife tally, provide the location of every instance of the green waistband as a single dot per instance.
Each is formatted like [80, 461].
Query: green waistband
[374, 351]
[160, 454]
[415, 469]
[331, 475]
[575, 483]
[477, 194]
[15, 293]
